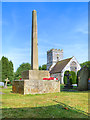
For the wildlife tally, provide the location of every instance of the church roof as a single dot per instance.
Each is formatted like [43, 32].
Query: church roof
[60, 65]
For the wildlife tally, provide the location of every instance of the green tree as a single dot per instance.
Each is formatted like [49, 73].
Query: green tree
[0, 71]
[73, 77]
[21, 68]
[44, 67]
[40, 68]
[11, 71]
[65, 77]
[77, 77]
[87, 63]
[7, 69]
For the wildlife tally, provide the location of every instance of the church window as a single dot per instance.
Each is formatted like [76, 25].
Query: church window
[73, 66]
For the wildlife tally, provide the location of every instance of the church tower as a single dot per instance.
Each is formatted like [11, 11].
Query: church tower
[53, 56]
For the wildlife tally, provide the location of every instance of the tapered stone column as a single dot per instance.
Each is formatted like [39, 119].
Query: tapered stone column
[34, 42]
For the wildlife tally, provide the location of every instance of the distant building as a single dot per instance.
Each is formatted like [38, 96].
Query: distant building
[57, 66]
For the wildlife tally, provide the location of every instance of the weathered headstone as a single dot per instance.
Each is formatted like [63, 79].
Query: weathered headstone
[83, 78]
[1, 83]
[68, 85]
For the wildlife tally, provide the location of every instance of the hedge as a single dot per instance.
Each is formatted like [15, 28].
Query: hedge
[77, 77]
[65, 77]
[72, 77]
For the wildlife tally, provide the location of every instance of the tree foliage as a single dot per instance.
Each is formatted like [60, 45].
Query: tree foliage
[72, 77]
[11, 71]
[65, 77]
[21, 68]
[77, 77]
[0, 71]
[40, 68]
[7, 69]
[87, 63]
[43, 67]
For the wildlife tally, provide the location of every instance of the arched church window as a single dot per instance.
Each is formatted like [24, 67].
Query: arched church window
[73, 66]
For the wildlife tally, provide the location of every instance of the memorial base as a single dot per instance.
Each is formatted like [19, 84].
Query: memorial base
[35, 86]
[33, 83]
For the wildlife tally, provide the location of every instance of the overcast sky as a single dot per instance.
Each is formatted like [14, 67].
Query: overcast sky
[61, 25]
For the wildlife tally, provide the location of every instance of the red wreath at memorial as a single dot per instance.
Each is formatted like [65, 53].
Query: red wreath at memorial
[51, 78]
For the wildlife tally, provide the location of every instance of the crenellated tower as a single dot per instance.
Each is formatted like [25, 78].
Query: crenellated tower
[53, 56]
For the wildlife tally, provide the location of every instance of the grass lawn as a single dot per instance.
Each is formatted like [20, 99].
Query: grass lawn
[50, 105]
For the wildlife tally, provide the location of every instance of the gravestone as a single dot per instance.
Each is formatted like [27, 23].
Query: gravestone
[32, 82]
[83, 78]
[1, 83]
[89, 83]
[68, 85]
[6, 83]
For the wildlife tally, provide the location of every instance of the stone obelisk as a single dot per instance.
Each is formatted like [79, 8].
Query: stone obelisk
[32, 82]
[34, 42]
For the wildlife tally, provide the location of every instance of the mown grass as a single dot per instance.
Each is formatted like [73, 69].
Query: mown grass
[50, 105]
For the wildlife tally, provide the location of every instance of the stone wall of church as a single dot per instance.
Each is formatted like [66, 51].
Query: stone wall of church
[60, 76]
[68, 66]
[56, 75]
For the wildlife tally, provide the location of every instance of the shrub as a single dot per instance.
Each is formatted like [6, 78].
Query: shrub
[65, 77]
[77, 77]
[73, 77]
[9, 84]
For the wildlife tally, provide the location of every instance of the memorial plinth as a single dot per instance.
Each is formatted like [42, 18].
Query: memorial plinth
[35, 74]
[33, 82]
[36, 86]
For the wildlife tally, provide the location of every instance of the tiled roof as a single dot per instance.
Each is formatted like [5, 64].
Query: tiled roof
[60, 65]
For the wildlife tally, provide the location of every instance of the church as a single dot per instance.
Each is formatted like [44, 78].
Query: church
[57, 65]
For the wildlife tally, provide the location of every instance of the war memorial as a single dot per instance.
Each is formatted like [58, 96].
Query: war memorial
[32, 82]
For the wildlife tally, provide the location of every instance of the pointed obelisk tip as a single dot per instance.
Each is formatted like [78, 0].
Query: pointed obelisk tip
[34, 10]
